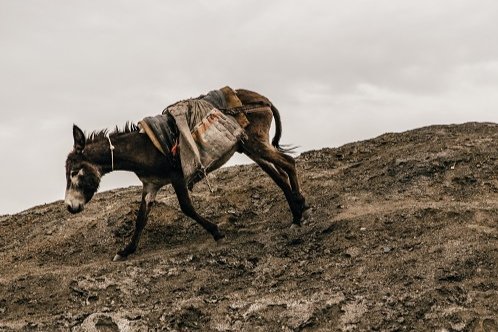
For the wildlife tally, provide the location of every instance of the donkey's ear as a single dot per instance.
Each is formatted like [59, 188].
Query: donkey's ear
[79, 139]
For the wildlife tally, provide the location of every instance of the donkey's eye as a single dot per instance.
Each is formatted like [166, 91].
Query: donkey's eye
[74, 173]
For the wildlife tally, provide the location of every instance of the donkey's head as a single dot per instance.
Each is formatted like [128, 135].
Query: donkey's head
[82, 176]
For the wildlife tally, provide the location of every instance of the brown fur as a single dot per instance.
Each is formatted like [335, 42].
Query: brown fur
[135, 152]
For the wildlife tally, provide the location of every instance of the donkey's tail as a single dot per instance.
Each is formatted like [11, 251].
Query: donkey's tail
[278, 132]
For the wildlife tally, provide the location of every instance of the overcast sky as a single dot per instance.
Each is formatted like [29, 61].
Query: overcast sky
[339, 71]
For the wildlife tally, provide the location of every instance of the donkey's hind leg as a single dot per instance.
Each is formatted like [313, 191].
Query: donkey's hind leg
[282, 182]
[284, 162]
[265, 156]
[186, 206]
[297, 196]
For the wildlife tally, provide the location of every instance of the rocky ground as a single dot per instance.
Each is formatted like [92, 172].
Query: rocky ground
[403, 237]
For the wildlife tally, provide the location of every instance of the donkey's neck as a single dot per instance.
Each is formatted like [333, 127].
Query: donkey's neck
[130, 152]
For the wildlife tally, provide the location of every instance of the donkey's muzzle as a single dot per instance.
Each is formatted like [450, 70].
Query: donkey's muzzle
[75, 209]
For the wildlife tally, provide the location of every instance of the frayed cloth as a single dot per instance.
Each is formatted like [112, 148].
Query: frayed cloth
[203, 134]
[187, 115]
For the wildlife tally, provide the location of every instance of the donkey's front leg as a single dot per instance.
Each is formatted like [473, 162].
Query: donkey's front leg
[148, 197]
[183, 196]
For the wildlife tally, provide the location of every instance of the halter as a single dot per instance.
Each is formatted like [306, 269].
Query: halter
[112, 150]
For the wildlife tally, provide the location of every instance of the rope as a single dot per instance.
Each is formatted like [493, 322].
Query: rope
[207, 181]
[245, 109]
[112, 150]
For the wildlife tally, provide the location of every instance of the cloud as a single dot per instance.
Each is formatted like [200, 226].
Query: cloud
[338, 71]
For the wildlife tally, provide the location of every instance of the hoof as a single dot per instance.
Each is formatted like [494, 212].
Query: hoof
[219, 237]
[119, 258]
[221, 241]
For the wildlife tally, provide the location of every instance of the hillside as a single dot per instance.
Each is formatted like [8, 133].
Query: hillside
[403, 237]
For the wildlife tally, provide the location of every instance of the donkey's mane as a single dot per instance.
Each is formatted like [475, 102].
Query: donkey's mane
[97, 135]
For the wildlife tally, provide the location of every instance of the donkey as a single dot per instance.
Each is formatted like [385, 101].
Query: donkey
[101, 153]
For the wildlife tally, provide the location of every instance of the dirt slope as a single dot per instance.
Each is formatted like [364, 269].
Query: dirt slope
[404, 236]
